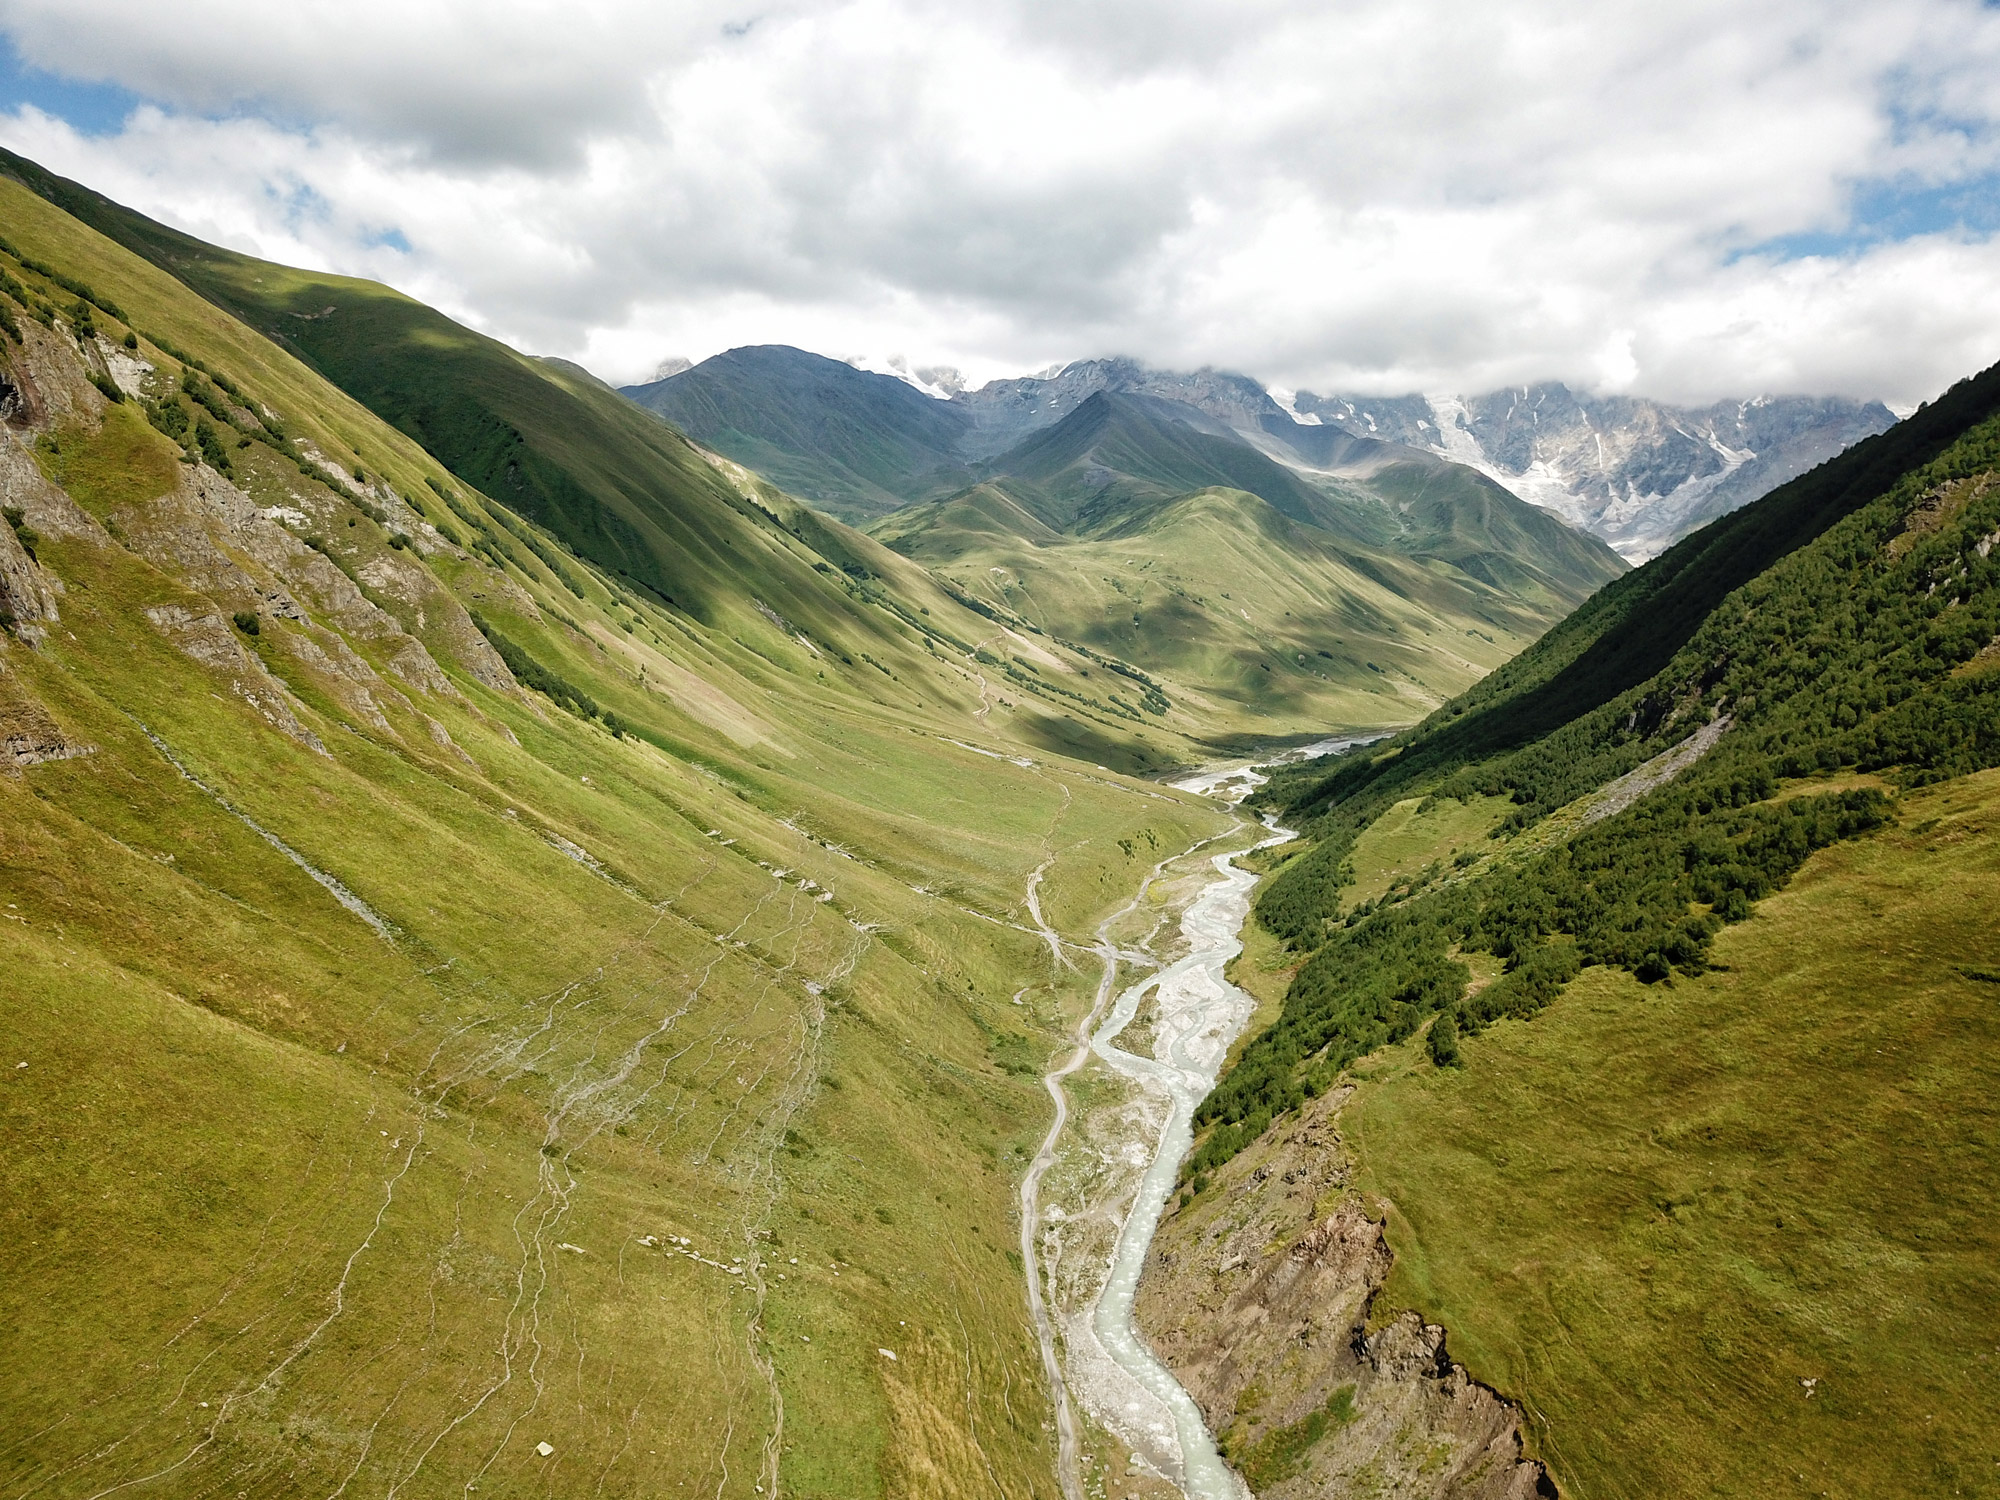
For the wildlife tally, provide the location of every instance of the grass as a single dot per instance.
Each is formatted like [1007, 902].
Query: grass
[264, 1159]
[1245, 616]
[1736, 1235]
[1415, 833]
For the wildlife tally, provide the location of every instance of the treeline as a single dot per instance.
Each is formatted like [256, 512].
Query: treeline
[1646, 890]
[1874, 647]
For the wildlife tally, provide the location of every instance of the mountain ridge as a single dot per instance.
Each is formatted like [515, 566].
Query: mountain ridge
[1634, 472]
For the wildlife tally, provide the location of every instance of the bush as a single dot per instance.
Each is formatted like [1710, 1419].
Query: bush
[131, 339]
[108, 388]
[1444, 1041]
[170, 417]
[247, 622]
[209, 442]
[25, 534]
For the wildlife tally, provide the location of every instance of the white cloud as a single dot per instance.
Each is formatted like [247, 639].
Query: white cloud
[1389, 194]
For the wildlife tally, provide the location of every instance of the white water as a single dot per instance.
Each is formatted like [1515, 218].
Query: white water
[1200, 1013]
[1235, 781]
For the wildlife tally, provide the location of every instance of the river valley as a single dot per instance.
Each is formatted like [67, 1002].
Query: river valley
[1115, 1164]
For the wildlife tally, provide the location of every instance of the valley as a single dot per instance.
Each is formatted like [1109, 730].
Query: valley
[776, 934]
[416, 1071]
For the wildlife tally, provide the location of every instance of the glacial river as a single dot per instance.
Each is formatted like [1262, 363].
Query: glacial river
[1199, 1013]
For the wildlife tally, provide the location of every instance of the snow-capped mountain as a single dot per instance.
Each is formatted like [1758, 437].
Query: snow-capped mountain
[867, 435]
[1638, 473]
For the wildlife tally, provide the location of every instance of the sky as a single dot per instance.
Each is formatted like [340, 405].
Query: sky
[1691, 201]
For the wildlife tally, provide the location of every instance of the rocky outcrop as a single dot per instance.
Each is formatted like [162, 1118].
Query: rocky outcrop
[208, 535]
[29, 733]
[208, 639]
[27, 598]
[1260, 1295]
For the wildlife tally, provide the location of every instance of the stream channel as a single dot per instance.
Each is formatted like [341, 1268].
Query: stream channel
[1199, 1014]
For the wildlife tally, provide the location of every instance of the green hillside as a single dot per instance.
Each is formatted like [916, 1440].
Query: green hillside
[461, 1001]
[1247, 616]
[855, 443]
[1253, 597]
[555, 446]
[1622, 1030]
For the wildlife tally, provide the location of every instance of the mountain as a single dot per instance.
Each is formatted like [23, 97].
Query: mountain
[854, 442]
[1376, 557]
[1137, 526]
[1629, 1024]
[493, 993]
[1639, 473]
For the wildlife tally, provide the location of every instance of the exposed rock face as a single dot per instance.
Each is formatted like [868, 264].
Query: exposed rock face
[1638, 473]
[220, 553]
[29, 734]
[1259, 1295]
[27, 598]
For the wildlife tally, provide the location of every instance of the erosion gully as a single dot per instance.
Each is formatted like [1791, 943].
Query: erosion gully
[1199, 1014]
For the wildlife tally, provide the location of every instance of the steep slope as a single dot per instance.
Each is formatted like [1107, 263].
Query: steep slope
[1582, 997]
[474, 1025]
[1639, 473]
[555, 446]
[1636, 625]
[854, 442]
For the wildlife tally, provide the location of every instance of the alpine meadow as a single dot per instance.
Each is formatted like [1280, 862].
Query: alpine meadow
[1423, 924]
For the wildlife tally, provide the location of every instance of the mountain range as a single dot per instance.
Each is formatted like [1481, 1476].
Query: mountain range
[1636, 473]
[1090, 506]
[1639, 473]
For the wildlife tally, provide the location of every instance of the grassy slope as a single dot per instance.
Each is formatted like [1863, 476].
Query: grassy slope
[856, 443]
[1654, 1214]
[619, 486]
[265, 1160]
[1651, 1213]
[1239, 611]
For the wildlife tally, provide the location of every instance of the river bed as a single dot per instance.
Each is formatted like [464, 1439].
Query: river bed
[1199, 1013]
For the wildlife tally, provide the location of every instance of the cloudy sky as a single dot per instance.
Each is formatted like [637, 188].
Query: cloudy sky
[1691, 200]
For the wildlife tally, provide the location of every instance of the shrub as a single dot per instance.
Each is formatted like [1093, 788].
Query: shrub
[209, 442]
[131, 339]
[25, 534]
[170, 417]
[247, 622]
[1444, 1041]
[108, 388]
